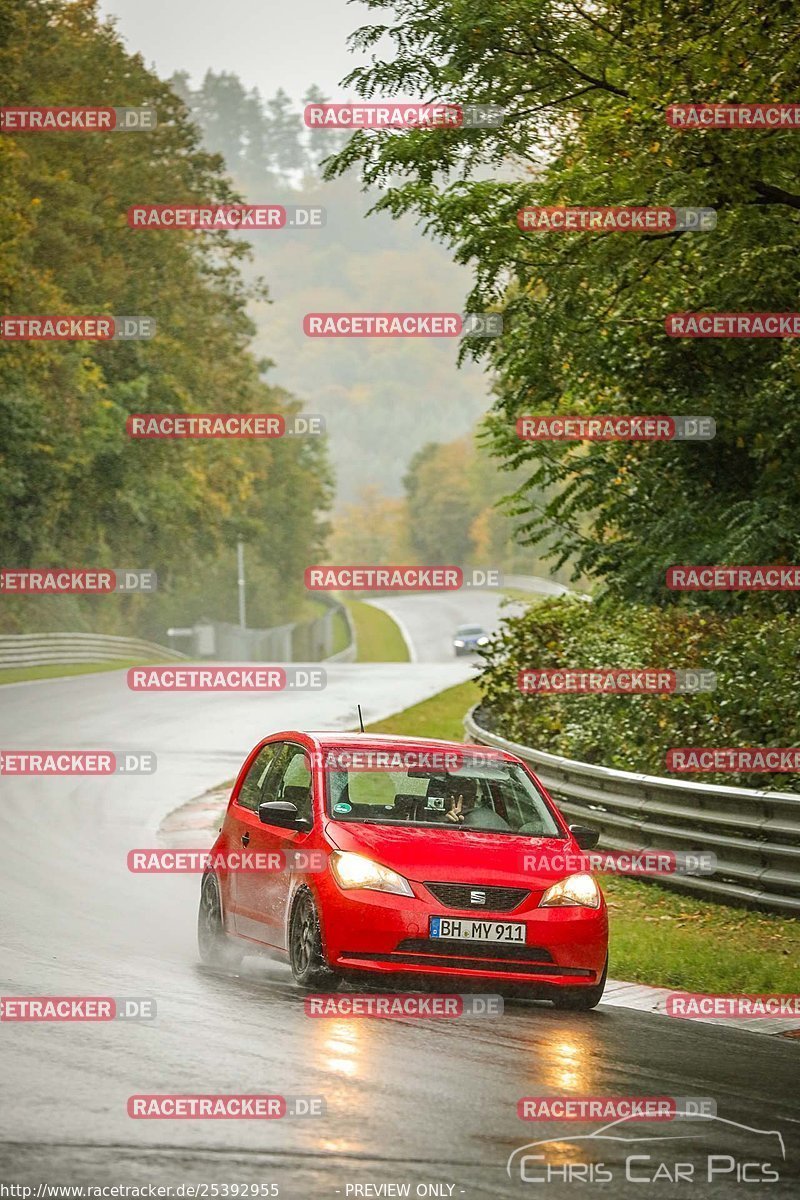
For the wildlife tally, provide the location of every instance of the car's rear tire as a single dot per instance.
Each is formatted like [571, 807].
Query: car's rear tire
[215, 947]
[582, 999]
[306, 954]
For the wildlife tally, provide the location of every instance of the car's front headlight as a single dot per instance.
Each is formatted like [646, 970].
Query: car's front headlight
[357, 871]
[483, 641]
[458, 642]
[575, 889]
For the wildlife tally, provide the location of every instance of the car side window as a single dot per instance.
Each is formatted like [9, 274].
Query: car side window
[250, 793]
[290, 779]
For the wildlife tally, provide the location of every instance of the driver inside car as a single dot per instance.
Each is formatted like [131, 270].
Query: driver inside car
[463, 799]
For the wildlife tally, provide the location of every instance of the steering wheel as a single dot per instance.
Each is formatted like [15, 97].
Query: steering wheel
[484, 818]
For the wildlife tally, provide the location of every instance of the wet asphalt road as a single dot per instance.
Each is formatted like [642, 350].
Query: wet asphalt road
[431, 1104]
[429, 622]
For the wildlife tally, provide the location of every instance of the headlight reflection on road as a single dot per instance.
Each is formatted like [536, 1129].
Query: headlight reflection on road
[340, 1046]
[568, 1067]
[568, 1064]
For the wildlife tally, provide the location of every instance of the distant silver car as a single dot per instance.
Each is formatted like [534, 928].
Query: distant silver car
[468, 638]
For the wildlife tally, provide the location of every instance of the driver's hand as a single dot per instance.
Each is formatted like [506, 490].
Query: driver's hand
[455, 814]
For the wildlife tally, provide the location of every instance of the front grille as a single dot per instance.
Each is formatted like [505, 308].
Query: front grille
[498, 899]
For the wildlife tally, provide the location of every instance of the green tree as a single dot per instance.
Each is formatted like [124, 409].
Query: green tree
[363, 387]
[584, 89]
[373, 530]
[441, 504]
[76, 489]
[285, 134]
[233, 123]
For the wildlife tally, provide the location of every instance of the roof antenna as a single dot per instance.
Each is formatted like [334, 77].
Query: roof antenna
[360, 718]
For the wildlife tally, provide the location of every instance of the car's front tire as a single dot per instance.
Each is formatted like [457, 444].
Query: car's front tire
[215, 947]
[306, 954]
[582, 999]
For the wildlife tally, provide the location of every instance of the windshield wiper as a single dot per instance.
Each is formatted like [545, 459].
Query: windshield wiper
[406, 824]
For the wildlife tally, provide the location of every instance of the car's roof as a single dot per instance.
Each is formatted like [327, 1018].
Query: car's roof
[469, 629]
[333, 737]
[352, 737]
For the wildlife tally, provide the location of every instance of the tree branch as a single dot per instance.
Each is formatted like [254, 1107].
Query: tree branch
[769, 194]
[603, 84]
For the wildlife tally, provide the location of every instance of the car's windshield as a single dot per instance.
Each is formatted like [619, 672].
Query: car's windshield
[495, 798]
[468, 629]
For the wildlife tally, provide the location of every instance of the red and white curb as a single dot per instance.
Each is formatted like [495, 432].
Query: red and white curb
[654, 1000]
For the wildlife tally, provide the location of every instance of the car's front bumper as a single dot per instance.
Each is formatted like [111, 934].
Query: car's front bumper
[389, 935]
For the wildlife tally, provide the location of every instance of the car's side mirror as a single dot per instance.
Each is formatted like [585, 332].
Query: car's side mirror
[586, 837]
[282, 813]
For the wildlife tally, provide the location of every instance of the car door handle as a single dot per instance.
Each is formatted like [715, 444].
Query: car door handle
[245, 839]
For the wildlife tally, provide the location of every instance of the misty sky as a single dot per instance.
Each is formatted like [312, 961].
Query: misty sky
[267, 43]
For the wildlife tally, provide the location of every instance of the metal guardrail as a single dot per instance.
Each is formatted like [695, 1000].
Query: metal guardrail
[231, 645]
[296, 641]
[351, 649]
[46, 649]
[755, 835]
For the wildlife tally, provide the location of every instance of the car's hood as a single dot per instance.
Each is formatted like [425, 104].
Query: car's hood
[457, 855]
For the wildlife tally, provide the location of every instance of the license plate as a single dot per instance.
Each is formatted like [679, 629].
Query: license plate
[461, 930]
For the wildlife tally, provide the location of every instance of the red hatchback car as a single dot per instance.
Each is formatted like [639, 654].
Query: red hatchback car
[417, 858]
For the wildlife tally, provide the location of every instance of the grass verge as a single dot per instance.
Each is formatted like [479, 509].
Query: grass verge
[62, 670]
[521, 596]
[440, 717]
[663, 938]
[378, 637]
[658, 936]
[341, 633]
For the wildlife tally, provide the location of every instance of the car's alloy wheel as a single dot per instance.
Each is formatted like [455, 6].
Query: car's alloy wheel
[306, 956]
[216, 949]
[582, 999]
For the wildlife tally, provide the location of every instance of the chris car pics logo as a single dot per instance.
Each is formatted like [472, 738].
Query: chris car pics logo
[703, 1149]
